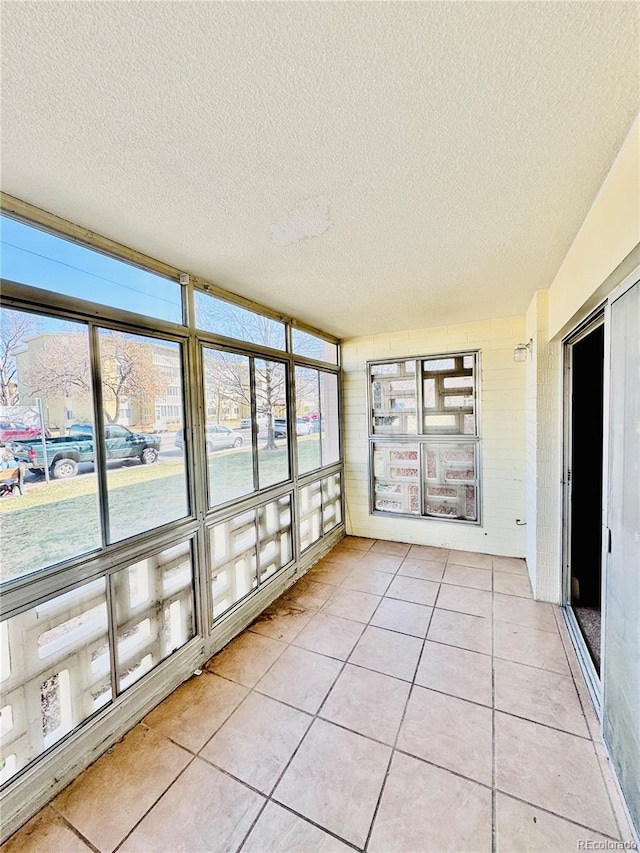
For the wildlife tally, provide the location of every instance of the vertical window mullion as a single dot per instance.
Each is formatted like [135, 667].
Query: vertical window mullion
[320, 407]
[254, 423]
[99, 448]
[420, 433]
[112, 633]
[257, 527]
[419, 398]
[292, 414]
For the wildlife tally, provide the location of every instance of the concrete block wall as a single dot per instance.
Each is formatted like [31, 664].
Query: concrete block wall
[502, 425]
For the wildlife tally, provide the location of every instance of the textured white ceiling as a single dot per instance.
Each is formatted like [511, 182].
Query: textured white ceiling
[365, 167]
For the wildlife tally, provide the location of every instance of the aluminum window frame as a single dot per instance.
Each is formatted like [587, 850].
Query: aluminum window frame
[22, 593]
[423, 439]
[252, 356]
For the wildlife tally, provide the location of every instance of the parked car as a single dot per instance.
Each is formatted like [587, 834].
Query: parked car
[64, 454]
[218, 438]
[262, 420]
[303, 427]
[12, 431]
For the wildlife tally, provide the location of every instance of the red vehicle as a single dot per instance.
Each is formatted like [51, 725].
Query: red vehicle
[12, 431]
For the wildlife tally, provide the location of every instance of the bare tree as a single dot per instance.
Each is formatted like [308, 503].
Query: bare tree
[61, 366]
[128, 371]
[227, 379]
[15, 327]
[271, 394]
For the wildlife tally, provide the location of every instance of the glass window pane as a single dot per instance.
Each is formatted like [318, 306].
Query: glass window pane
[271, 415]
[310, 514]
[34, 257]
[229, 430]
[449, 400]
[232, 321]
[393, 398]
[47, 359]
[313, 346]
[307, 417]
[274, 532]
[232, 545]
[154, 611]
[439, 364]
[396, 472]
[143, 441]
[458, 381]
[329, 422]
[450, 489]
[55, 672]
[331, 502]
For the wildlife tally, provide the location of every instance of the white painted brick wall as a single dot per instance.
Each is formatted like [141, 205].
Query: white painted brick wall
[544, 454]
[502, 425]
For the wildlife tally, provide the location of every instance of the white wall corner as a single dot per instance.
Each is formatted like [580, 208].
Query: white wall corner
[543, 454]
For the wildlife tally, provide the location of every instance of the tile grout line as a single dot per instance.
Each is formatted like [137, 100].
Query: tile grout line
[194, 756]
[427, 687]
[614, 811]
[315, 716]
[502, 791]
[154, 804]
[394, 748]
[73, 829]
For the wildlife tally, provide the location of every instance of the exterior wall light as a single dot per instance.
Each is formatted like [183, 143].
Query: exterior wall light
[520, 351]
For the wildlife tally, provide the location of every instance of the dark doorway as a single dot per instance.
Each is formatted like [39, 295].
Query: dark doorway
[585, 477]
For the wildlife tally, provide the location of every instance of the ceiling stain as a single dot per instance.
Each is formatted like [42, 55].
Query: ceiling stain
[310, 218]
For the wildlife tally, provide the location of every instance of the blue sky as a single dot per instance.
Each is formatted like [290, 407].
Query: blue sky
[39, 259]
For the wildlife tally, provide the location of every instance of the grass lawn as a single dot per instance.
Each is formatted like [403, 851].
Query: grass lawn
[59, 520]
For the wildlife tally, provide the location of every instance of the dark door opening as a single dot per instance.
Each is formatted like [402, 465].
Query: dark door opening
[585, 477]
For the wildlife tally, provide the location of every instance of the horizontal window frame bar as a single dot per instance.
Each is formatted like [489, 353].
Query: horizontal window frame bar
[325, 366]
[20, 594]
[37, 300]
[312, 330]
[216, 621]
[28, 214]
[320, 473]
[231, 508]
[422, 357]
[212, 289]
[418, 517]
[386, 438]
[212, 341]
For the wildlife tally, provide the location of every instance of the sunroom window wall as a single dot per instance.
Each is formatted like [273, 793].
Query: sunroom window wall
[163, 492]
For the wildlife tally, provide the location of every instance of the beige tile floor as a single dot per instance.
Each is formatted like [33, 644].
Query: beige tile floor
[398, 699]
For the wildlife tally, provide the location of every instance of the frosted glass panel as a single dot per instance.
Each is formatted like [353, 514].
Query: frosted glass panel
[233, 550]
[310, 514]
[393, 398]
[274, 534]
[331, 502]
[154, 611]
[622, 623]
[55, 671]
[396, 472]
